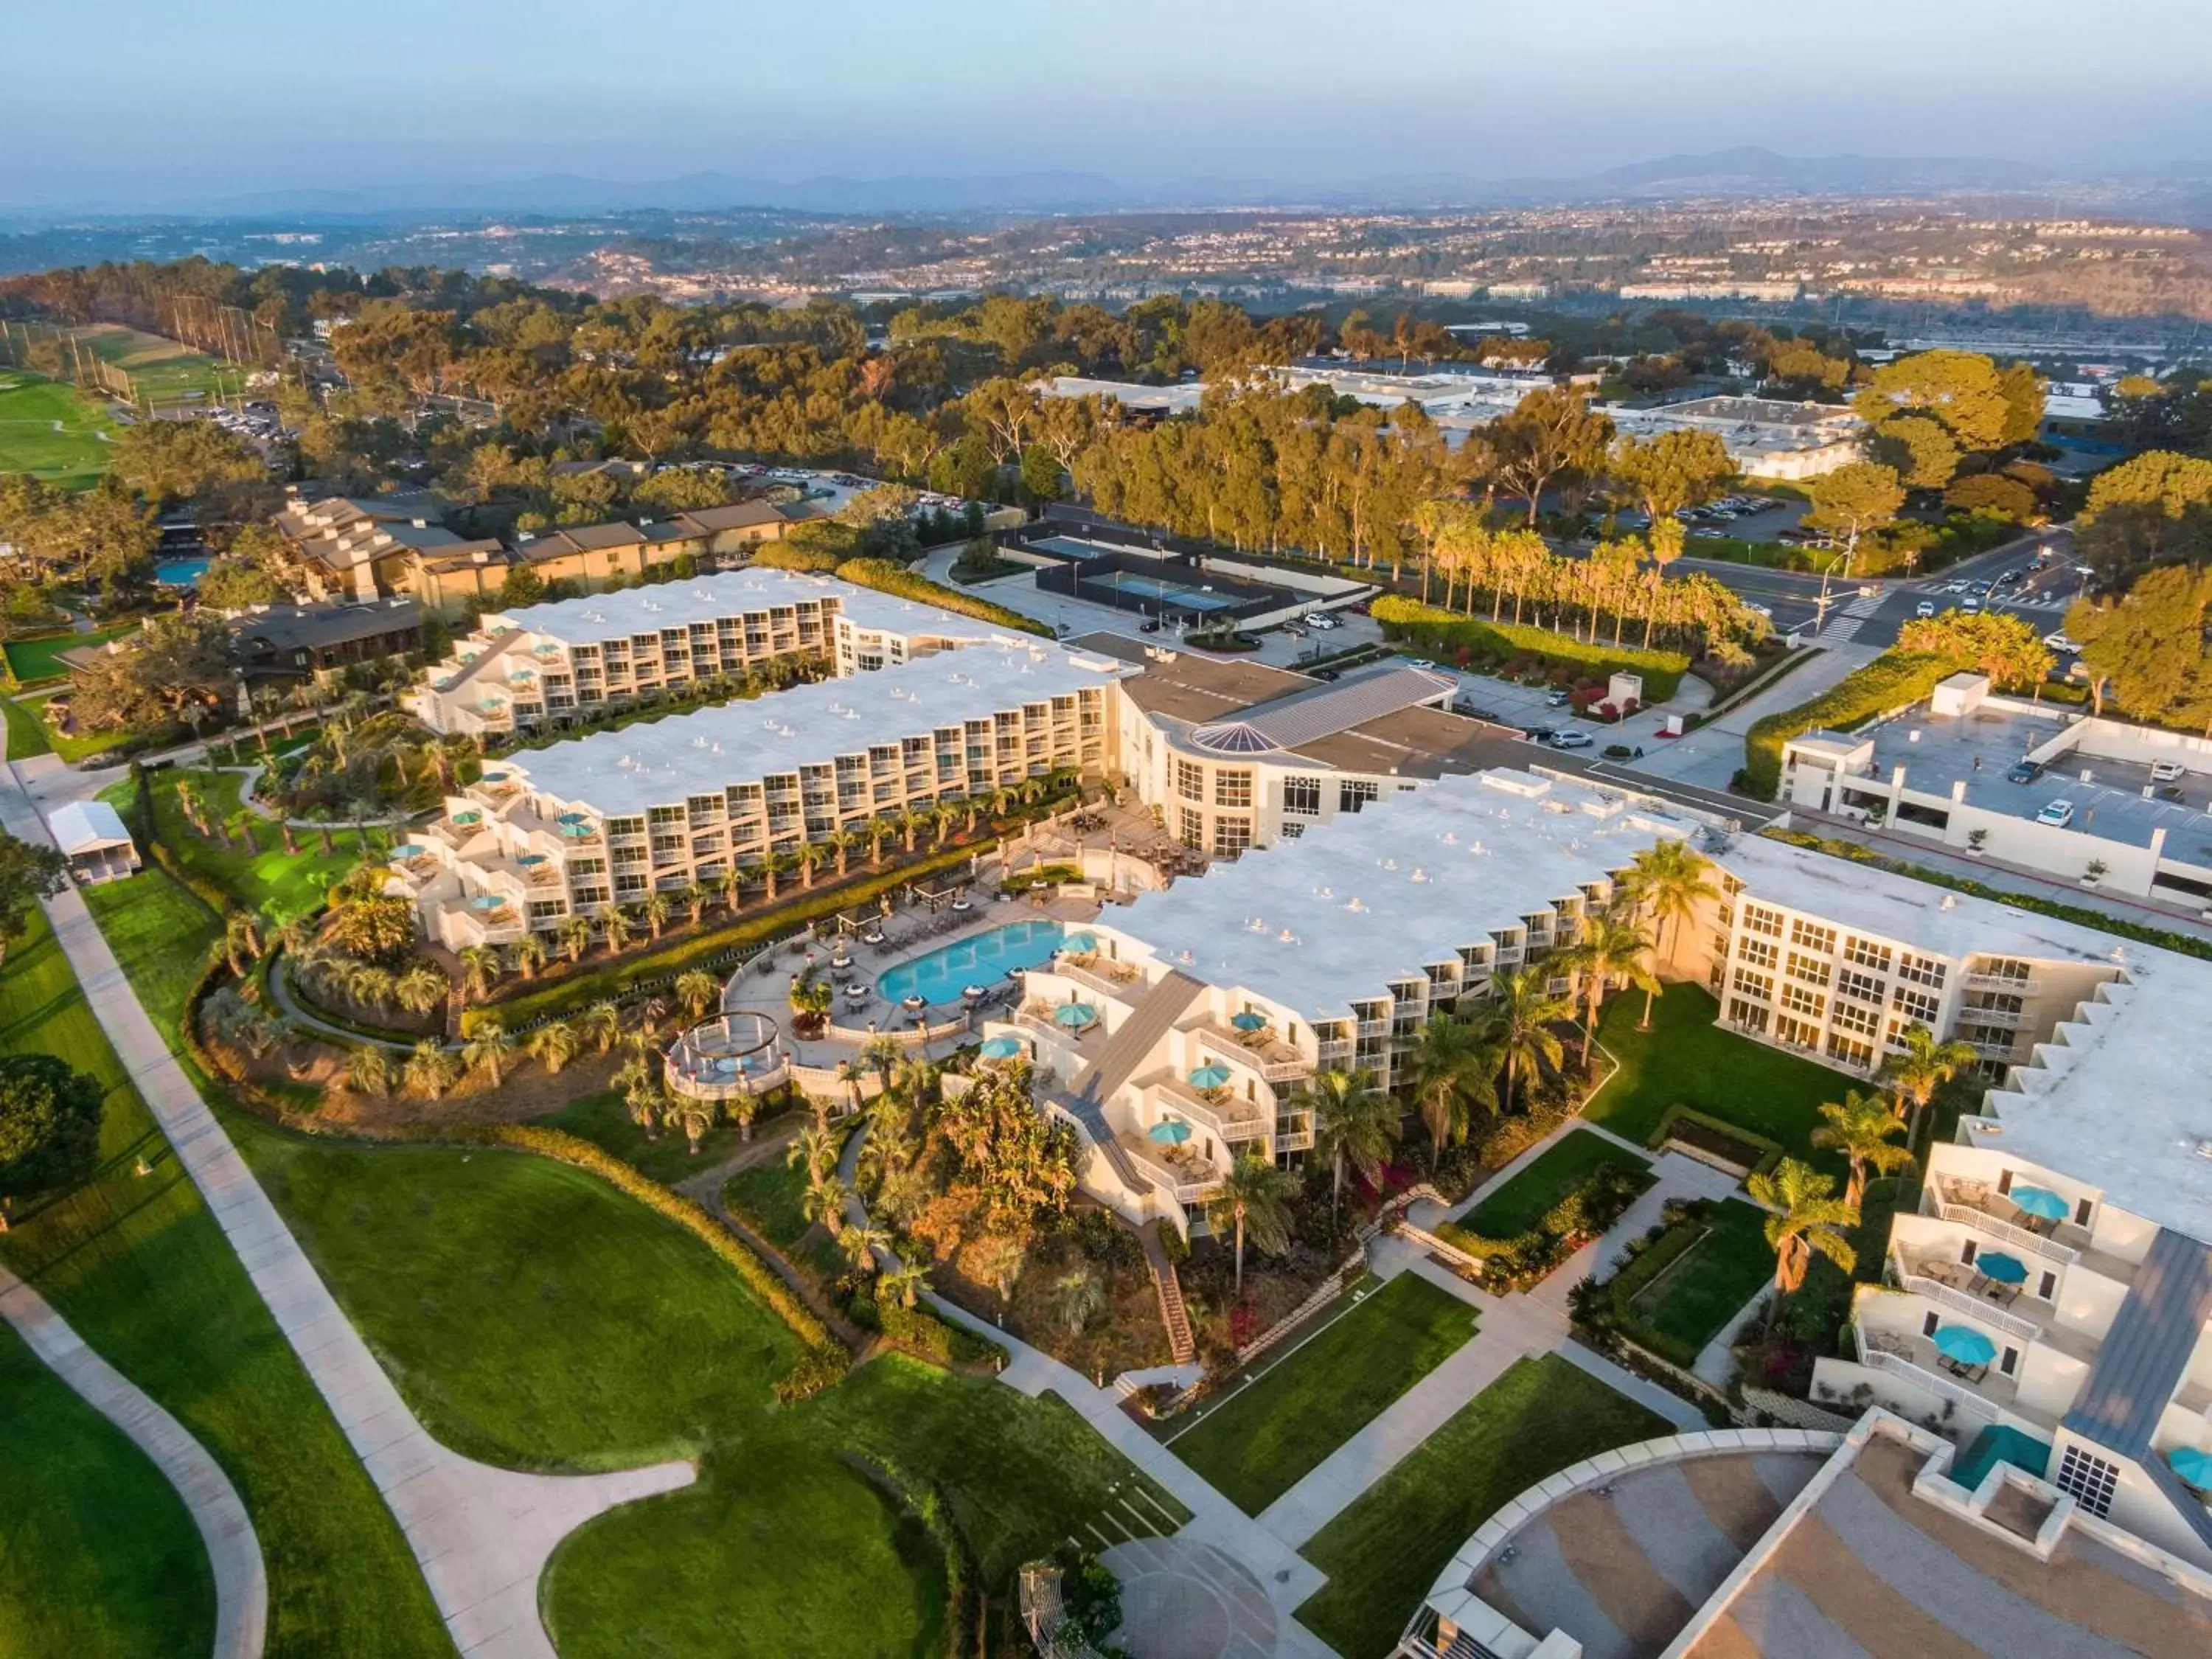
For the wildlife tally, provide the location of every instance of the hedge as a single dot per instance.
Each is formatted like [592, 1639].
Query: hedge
[887, 577]
[1893, 680]
[1677, 1116]
[1447, 634]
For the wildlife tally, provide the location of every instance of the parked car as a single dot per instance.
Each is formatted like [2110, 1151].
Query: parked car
[1570, 739]
[2164, 771]
[1972, 604]
[1757, 609]
[1539, 734]
[1557, 698]
[2026, 771]
[1419, 662]
[2056, 813]
[2062, 640]
[1925, 608]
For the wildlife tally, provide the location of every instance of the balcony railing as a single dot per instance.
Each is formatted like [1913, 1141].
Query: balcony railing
[2007, 1019]
[1920, 1376]
[1919, 1277]
[1275, 1061]
[1957, 1202]
[1230, 1118]
[2019, 987]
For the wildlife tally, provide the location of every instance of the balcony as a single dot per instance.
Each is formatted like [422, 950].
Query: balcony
[1958, 1287]
[1099, 974]
[1914, 1361]
[1973, 1204]
[1184, 1176]
[1228, 1117]
[1262, 1051]
[1999, 982]
[2010, 1019]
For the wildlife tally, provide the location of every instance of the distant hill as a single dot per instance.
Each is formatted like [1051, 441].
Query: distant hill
[1762, 171]
[559, 193]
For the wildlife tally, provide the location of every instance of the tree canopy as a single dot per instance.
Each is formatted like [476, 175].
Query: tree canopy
[49, 1123]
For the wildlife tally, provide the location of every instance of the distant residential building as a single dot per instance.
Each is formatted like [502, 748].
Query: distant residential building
[1767, 437]
[92, 837]
[370, 547]
[304, 641]
[1770, 293]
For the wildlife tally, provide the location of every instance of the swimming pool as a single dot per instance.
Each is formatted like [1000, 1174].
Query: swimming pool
[982, 960]
[179, 573]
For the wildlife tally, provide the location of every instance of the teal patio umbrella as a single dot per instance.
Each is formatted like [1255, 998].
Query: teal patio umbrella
[2192, 1465]
[1080, 945]
[2040, 1202]
[1000, 1048]
[1249, 1021]
[1169, 1131]
[1964, 1343]
[1211, 1076]
[1075, 1015]
[2005, 1269]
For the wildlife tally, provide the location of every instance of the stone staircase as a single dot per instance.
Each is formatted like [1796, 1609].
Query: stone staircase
[1173, 1314]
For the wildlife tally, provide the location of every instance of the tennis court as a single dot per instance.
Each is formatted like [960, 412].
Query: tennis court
[1159, 591]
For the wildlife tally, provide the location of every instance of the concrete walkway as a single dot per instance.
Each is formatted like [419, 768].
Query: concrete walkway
[481, 1535]
[241, 1585]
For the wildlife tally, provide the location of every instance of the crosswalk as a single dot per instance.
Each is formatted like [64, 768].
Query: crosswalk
[1844, 627]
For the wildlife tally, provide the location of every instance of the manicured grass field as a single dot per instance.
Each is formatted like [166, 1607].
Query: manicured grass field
[138, 1266]
[272, 881]
[534, 1317]
[162, 371]
[1268, 1434]
[605, 1120]
[161, 934]
[26, 733]
[102, 1561]
[1690, 1299]
[766, 1198]
[1686, 1059]
[1382, 1553]
[51, 431]
[1524, 1200]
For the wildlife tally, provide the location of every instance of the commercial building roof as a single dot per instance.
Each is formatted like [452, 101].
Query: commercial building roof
[1178, 399]
[2146, 1351]
[288, 628]
[1368, 898]
[1306, 715]
[677, 605]
[86, 826]
[662, 763]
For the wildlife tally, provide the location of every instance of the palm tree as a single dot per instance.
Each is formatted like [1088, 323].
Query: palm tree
[864, 1243]
[575, 937]
[815, 1148]
[698, 991]
[370, 985]
[694, 1117]
[656, 910]
[619, 927]
[842, 844]
[528, 954]
[823, 1202]
[488, 1048]
[1804, 1219]
[906, 1283]
[884, 1055]
[731, 885]
[479, 972]
[876, 829]
[910, 820]
[1452, 1067]
[602, 1023]
[1077, 1299]
[1609, 948]
[421, 988]
[1860, 1129]
[1355, 1125]
[694, 898]
[241, 943]
[641, 1094]
[1667, 882]
[810, 856]
[1522, 1012]
[368, 1071]
[430, 1069]
[1253, 1197]
[1918, 1066]
[555, 1044]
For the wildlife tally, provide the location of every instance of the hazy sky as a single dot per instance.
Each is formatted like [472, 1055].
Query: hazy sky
[148, 101]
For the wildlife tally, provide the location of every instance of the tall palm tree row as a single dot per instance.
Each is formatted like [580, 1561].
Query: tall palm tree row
[1453, 1066]
[1609, 948]
[1666, 883]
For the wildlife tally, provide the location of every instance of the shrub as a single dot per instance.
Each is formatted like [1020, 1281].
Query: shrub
[1893, 680]
[1474, 642]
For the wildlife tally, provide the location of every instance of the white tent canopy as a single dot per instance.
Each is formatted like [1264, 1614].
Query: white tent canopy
[87, 826]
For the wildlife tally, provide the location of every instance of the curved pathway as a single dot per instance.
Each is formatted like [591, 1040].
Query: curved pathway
[241, 1584]
[481, 1535]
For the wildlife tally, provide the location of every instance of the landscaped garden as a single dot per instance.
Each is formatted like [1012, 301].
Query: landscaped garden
[1382, 1553]
[1573, 1192]
[1681, 1289]
[1269, 1433]
[1687, 1059]
[1562, 1169]
[140, 1269]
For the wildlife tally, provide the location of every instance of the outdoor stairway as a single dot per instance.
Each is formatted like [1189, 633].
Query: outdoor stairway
[1173, 1314]
[1085, 1098]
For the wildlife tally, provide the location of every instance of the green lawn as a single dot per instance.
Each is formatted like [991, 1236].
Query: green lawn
[272, 881]
[162, 371]
[1689, 1297]
[603, 1120]
[31, 660]
[102, 1561]
[1382, 1553]
[1686, 1059]
[161, 935]
[141, 1270]
[26, 733]
[766, 1198]
[1268, 1434]
[1522, 1202]
[532, 1316]
[51, 431]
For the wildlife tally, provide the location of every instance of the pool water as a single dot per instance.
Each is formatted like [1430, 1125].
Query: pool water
[179, 573]
[982, 960]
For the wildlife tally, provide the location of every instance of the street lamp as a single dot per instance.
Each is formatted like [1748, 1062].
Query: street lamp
[1850, 550]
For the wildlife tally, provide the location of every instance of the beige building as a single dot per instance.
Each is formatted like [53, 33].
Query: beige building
[372, 547]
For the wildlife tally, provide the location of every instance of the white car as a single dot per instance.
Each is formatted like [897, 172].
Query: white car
[2062, 642]
[1925, 608]
[1766, 611]
[2164, 771]
[1323, 621]
[1419, 662]
[2056, 813]
[1570, 739]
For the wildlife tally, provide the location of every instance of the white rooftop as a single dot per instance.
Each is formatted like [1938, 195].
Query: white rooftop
[661, 762]
[1867, 899]
[2118, 1100]
[86, 826]
[1371, 897]
[677, 605]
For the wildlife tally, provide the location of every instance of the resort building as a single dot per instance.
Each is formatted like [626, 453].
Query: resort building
[662, 805]
[1177, 1033]
[2075, 796]
[544, 664]
[372, 547]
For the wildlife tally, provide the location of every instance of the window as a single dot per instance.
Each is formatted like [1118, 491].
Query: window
[1293, 831]
[1231, 836]
[1757, 918]
[1915, 1005]
[1849, 1051]
[1813, 970]
[1799, 1001]
[1302, 796]
[1861, 1021]
[1232, 788]
[1190, 780]
[1797, 1033]
[1812, 936]
[1755, 985]
[1748, 1015]
[1864, 987]
[1355, 793]
[1921, 970]
[1759, 953]
[1865, 953]
[1194, 827]
[2089, 1478]
[2004, 968]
